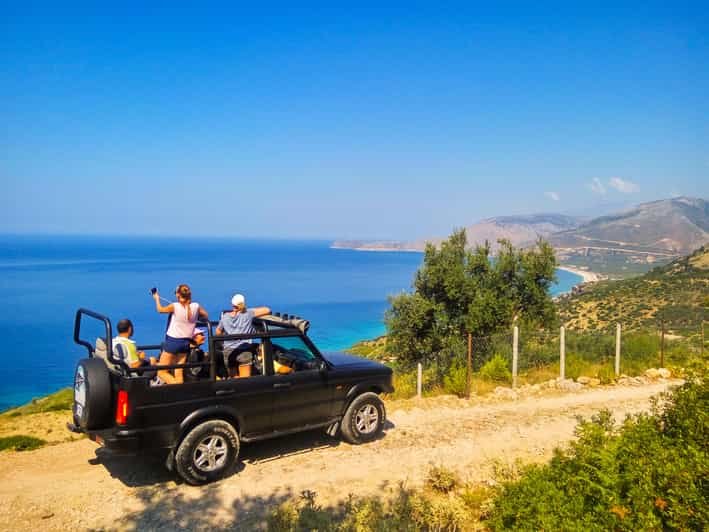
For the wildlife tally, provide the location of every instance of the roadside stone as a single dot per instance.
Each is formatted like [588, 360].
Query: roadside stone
[568, 385]
[652, 374]
[664, 373]
[502, 392]
[583, 380]
[593, 382]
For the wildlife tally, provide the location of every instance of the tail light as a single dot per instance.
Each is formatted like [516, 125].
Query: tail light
[122, 407]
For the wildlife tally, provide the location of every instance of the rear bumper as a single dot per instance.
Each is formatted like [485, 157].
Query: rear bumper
[120, 441]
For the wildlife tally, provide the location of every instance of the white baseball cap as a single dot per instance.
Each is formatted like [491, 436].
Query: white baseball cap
[238, 299]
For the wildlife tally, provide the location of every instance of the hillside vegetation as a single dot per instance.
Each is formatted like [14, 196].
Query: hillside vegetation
[677, 293]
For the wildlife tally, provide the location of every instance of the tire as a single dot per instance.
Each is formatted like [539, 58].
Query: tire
[207, 453]
[364, 419]
[92, 394]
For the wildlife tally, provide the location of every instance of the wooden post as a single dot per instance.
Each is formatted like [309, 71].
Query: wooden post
[469, 375]
[702, 358]
[617, 349]
[419, 378]
[662, 346]
[562, 353]
[515, 353]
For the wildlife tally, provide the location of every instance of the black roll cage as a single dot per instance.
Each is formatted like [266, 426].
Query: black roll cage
[280, 330]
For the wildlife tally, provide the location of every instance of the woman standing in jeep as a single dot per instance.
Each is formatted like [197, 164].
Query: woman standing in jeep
[179, 332]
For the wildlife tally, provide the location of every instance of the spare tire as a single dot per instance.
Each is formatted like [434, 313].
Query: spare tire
[92, 394]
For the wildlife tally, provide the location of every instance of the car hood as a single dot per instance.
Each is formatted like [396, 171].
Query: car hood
[340, 360]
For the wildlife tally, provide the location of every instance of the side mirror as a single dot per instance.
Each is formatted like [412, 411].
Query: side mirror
[322, 366]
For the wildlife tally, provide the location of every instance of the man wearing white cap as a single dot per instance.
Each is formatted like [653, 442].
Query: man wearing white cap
[239, 321]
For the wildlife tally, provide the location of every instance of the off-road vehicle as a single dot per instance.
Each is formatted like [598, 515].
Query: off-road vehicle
[202, 423]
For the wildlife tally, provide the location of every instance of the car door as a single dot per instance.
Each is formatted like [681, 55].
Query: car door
[304, 395]
[252, 399]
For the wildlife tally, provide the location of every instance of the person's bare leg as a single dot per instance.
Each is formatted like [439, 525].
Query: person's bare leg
[166, 359]
[180, 373]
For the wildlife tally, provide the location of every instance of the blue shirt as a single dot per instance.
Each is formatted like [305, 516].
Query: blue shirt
[242, 323]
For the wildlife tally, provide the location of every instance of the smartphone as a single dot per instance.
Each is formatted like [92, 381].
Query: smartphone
[153, 291]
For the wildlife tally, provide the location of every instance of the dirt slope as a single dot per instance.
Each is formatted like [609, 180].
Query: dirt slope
[72, 486]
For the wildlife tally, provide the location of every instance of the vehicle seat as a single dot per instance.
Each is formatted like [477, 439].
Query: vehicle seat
[101, 352]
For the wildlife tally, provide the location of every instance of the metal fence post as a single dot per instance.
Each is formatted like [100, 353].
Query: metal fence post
[562, 353]
[617, 349]
[515, 353]
[419, 378]
[469, 374]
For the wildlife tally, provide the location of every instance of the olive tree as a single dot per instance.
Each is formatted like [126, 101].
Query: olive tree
[459, 291]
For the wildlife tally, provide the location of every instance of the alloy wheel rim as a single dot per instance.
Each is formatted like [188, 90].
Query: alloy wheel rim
[210, 454]
[367, 419]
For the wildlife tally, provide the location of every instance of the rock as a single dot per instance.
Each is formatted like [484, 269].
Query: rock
[594, 382]
[583, 380]
[568, 385]
[664, 373]
[505, 393]
[652, 374]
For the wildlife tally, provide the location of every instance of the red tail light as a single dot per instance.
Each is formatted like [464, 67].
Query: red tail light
[122, 407]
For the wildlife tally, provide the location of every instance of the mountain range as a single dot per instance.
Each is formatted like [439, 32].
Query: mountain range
[622, 244]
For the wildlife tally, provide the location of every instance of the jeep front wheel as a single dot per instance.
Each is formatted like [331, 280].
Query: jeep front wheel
[207, 452]
[364, 419]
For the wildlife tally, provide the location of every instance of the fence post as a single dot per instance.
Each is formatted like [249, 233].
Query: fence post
[617, 349]
[469, 375]
[702, 338]
[419, 378]
[662, 346]
[562, 353]
[515, 353]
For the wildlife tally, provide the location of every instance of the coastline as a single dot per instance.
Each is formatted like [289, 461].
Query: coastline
[588, 277]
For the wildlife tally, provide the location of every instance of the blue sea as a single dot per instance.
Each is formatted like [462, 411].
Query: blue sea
[44, 279]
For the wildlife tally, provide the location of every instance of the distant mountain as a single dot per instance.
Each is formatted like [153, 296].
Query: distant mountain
[674, 226]
[633, 241]
[517, 229]
[625, 244]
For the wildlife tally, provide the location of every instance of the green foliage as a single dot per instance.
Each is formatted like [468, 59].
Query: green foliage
[20, 443]
[442, 480]
[457, 291]
[650, 473]
[496, 370]
[456, 380]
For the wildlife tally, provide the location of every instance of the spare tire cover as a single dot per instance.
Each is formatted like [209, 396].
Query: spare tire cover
[92, 394]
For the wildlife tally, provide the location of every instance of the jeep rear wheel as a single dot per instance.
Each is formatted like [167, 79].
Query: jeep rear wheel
[92, 394]
[364, 419]
[208, 452]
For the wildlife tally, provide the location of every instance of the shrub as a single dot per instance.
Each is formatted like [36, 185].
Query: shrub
[496, 370]
[442, 480]
[456, 381]
[650, 473]
[21, 443]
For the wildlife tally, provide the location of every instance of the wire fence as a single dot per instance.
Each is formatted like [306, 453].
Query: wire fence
[528, 357]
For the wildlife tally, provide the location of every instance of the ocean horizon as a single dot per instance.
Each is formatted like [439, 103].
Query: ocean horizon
[46, 278]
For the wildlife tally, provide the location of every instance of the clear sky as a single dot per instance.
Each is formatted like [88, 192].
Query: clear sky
[349, 122]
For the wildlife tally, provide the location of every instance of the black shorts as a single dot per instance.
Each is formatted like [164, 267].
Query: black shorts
[242, 355]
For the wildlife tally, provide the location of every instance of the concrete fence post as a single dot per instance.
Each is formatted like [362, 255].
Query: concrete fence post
[617, 349]
[419, 378]
[515, 354]
[562, 353]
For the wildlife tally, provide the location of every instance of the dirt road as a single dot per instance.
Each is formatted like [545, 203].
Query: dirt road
[74, 485]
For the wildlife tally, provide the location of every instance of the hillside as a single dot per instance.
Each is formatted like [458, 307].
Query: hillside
[517, 229]
[633, 241]
[677, 293]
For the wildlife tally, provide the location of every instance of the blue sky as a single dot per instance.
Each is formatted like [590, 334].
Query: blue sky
[350, 122]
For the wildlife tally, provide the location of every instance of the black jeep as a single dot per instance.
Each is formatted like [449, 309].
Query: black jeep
[292, 387]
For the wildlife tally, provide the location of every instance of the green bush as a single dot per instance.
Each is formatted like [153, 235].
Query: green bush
[21, 443]
[496, 370]
[456, 381]
[442, 480]
[650, 473]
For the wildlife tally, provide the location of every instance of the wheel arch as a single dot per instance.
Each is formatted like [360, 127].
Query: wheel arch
[359, 389]
[208, 413]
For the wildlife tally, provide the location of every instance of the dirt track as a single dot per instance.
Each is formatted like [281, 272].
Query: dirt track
[74, 485]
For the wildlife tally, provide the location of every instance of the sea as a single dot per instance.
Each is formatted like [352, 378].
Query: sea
[45, 279]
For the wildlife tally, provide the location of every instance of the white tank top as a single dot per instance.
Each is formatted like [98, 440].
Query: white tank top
[180, 325]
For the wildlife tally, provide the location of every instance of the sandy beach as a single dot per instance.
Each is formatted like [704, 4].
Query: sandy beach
[588, 277]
